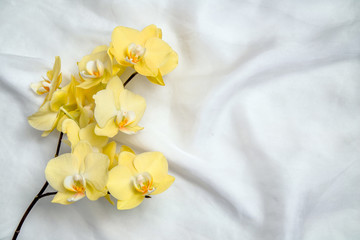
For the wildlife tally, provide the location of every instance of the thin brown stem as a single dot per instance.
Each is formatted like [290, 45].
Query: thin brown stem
[38, 196]
[129, 79]
[47, 194]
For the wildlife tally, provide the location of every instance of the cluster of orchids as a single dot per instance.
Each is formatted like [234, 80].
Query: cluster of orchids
[94, 107]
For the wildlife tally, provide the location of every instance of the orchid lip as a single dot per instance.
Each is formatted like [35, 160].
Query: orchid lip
[134, 53]
[143, 183]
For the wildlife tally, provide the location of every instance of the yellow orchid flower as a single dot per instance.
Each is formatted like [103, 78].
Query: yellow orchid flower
[51, 83]
[138, 176]
[98, 67]
[61, 105]
[145, 51]
[76, 134]
[74, 175]
[117, 109]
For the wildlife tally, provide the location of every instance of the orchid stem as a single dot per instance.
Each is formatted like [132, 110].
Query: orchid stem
[41, 194]
[131, 77]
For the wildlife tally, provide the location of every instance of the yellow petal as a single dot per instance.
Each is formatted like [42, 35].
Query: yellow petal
[169, 63]
[110, 151]
[130, 203]
[116, 86]
[55, 78]
[96, 169]
[148, 32]
[62, 197]
[101, 48]
[105, 107]
[58, 99]
[82, 149]
[92, 193]
[159, 55]
[157, 80]
[59, 168]
[71, 128]
[131, 129]
[120, 39]
[107, 197]
[110, 129]
[154, 163]
[86, 84]
[87, 133]
[142, 68]
[130, 101]
[127, 149]
[44, 119]
[120, 184]
[126, 159]
[164, 184]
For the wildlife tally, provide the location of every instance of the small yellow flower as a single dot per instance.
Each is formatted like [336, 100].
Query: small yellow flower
[51, 83]
[98, 67]
[117, 109]
[138, 176]
[61, 105]
[78, 174]
[145, 51]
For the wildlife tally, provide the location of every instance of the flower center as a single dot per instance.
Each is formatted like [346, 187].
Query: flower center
[125, 118]
[134, 53]
[93, 69]
[143, 183]
[76, 184]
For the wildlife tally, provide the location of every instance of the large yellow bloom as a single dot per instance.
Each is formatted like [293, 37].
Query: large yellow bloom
[145, 51]
[74, 175]
[117, 109]
[138, 176]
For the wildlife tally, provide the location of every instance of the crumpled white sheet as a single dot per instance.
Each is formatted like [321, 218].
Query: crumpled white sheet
[259, 122]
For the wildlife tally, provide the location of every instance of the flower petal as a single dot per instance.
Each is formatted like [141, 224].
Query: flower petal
[44, 119]
[81, 150]
[164, 184]
[105, 107]
[116, 86]
[159, 55]
[86, 84]
[130, 101]
[169, 63]
[59, 168]
[126, 159]
[87, 133]
[120, 184]
[92, 193]
[110, 129]
[148, 32]
[58, 99]
[157, 79]
[96, 169]
[130, 203]
[154, 163]
[71, 128]
[62, 197]
[120, 39]
[127, 149]
[110, 151]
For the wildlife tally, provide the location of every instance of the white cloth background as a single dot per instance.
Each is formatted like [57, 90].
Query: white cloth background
[259, 121]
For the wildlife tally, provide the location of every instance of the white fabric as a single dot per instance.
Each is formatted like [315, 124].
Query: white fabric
[259, 122]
